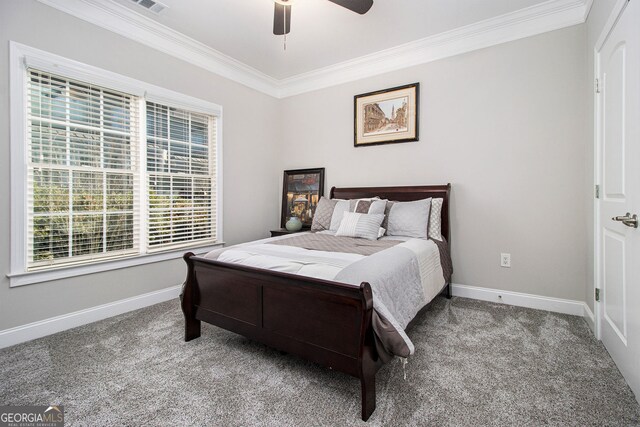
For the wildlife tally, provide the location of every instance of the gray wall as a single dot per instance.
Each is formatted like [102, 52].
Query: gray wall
[506, 126]
[250, 157]
[598, 16]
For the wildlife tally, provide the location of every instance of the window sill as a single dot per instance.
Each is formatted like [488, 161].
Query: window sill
[31, 277]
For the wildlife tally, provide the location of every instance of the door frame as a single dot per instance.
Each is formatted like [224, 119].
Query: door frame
[614, 16]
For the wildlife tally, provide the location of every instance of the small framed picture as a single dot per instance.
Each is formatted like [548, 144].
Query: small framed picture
[386, 116]
[301, 192]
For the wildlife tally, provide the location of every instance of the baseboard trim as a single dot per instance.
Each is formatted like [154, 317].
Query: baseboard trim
[45, 327]
[556, 305]
[589, 317]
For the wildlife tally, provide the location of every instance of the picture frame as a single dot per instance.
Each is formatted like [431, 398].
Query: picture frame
[301, 192]
[387, 116]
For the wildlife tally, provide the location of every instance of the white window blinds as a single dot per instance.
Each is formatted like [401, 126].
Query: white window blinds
[82, 155]
[109, 175]
[180, 175]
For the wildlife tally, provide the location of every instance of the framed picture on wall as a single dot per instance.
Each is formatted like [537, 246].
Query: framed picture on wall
[386, 116]
[301, 191]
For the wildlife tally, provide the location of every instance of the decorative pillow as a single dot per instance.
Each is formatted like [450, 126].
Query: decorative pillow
[361, 206]
[353, 203]
[366, 226]
[435, 220]
[374, 206]
[409, 219]
[324, 212]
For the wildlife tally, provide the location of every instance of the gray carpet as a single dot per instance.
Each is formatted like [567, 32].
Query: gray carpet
[476, 364]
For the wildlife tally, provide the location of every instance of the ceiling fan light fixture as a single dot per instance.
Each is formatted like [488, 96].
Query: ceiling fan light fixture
[285, 2]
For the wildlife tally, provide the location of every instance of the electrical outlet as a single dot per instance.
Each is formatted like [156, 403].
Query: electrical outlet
[505, 260]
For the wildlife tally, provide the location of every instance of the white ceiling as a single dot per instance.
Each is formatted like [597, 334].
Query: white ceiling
[322, 33]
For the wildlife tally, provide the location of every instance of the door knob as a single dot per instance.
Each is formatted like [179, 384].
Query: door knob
[628, 220]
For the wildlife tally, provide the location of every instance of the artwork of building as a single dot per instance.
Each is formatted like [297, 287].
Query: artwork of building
[374, 117]
[400, 116]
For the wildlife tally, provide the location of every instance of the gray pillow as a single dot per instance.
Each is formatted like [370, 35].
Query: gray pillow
[435, 220]
[322, 216]
[409, 219]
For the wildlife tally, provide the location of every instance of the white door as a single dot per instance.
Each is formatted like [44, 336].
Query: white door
[619, 172]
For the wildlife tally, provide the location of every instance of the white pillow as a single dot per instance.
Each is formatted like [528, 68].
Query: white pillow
[338, 212]
[435, 220]
[409, 219]
[365, 226]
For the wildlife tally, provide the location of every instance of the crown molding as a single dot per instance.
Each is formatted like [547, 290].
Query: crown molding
[531, 21]
[548, 16]
[128, 23]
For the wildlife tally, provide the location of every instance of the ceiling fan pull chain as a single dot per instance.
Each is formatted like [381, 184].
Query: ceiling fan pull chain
[284, 20]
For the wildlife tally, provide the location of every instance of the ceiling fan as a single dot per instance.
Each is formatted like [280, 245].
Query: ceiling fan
[282, 12]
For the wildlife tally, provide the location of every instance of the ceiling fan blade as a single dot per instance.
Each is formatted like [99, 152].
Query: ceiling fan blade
[358, 6]
[281, 19]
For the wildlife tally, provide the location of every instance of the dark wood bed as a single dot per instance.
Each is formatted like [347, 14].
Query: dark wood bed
[326, 322]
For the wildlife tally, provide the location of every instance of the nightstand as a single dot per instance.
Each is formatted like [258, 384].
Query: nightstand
[284, 231]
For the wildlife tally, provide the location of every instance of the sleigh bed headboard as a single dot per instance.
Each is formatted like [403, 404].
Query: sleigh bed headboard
[402, 194]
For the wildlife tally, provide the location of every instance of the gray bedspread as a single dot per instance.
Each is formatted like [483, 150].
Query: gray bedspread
[445, 259]
[398, 295]
[330, 243]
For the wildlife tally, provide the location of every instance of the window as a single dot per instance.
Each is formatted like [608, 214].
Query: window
[180, 176]
[106, 169]
[81, 145]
